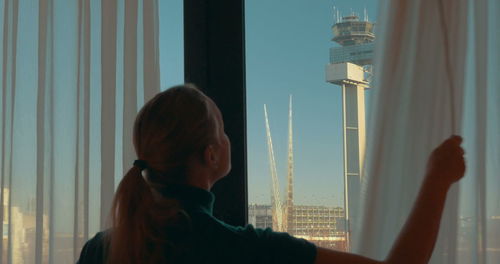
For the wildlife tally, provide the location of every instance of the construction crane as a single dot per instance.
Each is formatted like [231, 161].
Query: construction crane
[277, 208]
[282, 213]
[288, 210]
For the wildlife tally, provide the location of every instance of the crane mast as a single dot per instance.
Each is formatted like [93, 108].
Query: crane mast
[288, 221]
[277, 209]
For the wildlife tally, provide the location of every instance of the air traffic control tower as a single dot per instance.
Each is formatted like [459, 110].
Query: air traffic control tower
[350, 68]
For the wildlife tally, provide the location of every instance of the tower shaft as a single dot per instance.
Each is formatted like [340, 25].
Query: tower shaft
[353, 125]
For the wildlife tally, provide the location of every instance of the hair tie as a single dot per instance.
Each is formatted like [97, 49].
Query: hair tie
[141, 164]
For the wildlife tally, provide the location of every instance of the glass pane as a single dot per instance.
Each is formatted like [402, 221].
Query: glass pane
[171, 43]
[297, 121]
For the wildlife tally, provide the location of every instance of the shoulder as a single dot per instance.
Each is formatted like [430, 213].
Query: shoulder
[246, 233]
[281, 239]
[93, 250]
[268, 246]
[285, 248]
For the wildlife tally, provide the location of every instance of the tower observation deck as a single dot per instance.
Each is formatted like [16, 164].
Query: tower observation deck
[350, 68]
[356, 40]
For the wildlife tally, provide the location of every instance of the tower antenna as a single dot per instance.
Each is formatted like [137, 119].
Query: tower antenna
[334, 14]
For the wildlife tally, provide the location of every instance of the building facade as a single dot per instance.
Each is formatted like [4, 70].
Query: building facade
[321, 225]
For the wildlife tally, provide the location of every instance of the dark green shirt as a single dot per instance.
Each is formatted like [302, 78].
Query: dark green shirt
[217, 242]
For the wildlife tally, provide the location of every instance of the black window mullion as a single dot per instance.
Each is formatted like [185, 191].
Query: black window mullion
[214, 60]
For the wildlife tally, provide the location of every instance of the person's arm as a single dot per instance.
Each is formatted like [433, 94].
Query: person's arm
[416, 241]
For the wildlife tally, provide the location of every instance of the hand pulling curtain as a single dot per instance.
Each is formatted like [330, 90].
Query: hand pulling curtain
[436, 74]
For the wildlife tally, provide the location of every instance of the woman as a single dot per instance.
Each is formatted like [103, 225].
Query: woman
[162, 210]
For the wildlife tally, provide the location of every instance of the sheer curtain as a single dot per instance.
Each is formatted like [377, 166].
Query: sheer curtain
[72, 75]
[436, 74]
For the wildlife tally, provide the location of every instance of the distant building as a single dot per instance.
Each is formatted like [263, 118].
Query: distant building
[260, 216]
[17, 242]
[321, 225]
[18, 238]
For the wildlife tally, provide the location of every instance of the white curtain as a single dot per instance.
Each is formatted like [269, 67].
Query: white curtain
[437, 73]
[72, 75]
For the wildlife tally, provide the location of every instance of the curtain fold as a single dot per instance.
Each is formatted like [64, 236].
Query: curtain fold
[435, 75]
[129, 81]
[67, 117]
[108, 104]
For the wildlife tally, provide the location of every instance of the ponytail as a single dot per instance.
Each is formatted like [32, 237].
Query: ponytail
[139, 222]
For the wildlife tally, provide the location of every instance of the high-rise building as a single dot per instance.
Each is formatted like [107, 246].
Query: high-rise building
[350, 68]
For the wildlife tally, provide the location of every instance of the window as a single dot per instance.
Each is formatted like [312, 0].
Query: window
[295, 117]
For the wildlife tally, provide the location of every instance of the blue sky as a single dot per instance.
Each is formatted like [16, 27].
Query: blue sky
[287, 48]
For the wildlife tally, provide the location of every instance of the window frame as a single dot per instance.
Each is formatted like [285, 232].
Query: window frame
[214, 60]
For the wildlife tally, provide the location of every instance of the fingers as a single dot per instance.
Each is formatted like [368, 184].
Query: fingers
[452, 145]
[456, 142]
[448, 160]
[456, 139]
[453, 141]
